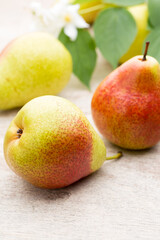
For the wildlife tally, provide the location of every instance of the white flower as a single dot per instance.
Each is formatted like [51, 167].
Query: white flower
[61, 15]
[44, 16]
[68, 15]
[44, 19]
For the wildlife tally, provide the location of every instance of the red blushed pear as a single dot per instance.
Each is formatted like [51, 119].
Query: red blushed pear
[126, 105]
[51, 144]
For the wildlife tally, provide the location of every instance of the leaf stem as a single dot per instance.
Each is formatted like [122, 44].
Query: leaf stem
[92, 9]
[117, 156]
[145, 52]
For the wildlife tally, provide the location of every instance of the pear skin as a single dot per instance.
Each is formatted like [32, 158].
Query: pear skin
[51, 144]
[126, 105]
[90, 10]
[140, 14]
[32, 65]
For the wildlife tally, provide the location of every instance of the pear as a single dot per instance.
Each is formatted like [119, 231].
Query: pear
[51, 144]
[140, 14]
[32, 65]
[89, 10]
[126, 105]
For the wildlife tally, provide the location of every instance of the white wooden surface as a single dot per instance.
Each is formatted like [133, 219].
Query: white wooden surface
[119, 202]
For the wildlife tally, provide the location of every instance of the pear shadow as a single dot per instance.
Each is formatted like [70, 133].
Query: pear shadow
[130, 152]
[33, 193]
[84, 182]
[8, 112]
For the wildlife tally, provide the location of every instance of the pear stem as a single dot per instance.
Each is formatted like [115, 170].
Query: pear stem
[145, 52]
[117, 156]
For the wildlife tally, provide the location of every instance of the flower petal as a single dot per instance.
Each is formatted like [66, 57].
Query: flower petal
[74, 8]
[80, 22]
[71, 31]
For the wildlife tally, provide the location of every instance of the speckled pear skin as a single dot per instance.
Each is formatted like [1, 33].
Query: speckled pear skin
[126, 105]
[32, 65]
[58, 145]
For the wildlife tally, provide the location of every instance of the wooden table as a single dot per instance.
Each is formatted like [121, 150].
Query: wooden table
[119, 202]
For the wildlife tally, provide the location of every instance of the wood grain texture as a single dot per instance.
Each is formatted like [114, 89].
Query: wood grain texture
[119, 202]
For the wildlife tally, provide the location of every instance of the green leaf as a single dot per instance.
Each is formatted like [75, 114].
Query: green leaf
[125, 2]
[154, 12]
[149, 25]
[154, 39]
[83, 54]
[115, 30]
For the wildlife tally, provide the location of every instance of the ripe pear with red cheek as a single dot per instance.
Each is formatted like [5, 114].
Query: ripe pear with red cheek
[51, 144]
[126, 105]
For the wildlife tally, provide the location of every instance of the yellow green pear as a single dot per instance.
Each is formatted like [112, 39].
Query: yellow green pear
[140, 14]
[51, 144]
[90, 10]
[32, 65]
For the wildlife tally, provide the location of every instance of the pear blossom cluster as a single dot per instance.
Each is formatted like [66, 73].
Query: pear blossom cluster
[61, 15]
